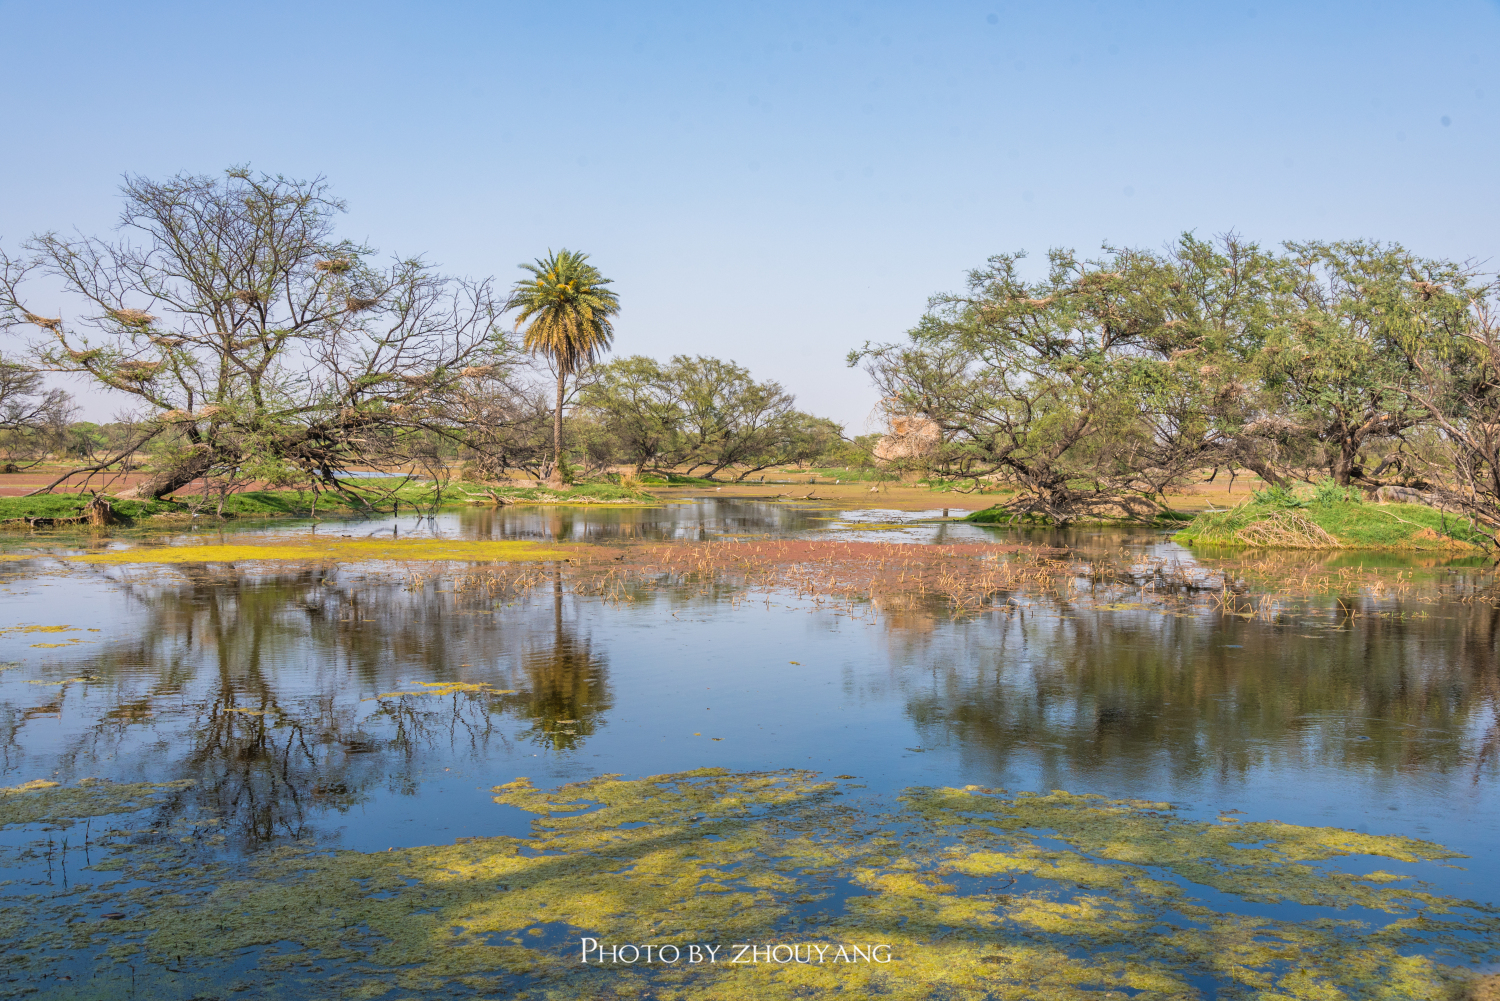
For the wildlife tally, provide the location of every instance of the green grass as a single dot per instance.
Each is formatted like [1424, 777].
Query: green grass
[272, 503]
[1000, 516]
[581, 492]
[1354, 524]
[71, 505]
[421, 494]
[46, 506]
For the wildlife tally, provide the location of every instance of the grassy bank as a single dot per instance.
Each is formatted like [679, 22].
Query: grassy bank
[273, 503]
[1328, 519]
[71, 506]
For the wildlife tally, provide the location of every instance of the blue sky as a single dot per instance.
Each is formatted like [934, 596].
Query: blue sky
[773, 182]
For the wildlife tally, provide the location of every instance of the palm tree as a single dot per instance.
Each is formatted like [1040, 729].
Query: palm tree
[569, 309]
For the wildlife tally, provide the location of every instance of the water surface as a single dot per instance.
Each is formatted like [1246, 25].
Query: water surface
[294, 698]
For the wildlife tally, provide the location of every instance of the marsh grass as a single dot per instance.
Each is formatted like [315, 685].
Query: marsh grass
[860, 578]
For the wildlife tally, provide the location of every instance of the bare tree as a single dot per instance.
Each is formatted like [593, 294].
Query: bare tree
[1458, 388]
[252, 336]
[500, 421]
[33, 419]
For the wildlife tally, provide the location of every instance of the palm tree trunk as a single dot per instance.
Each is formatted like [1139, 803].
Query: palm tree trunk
[556, 478]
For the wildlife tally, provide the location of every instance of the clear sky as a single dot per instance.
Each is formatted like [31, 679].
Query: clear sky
[774, 182]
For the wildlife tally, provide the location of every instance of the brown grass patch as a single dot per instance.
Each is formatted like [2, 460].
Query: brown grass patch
[1287, 530]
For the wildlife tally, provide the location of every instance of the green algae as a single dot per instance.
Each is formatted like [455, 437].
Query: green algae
[1265, 862]
[340, 550]
[42, 801]
[977, 893]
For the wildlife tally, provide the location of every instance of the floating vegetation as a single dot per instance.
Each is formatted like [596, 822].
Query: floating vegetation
[68, 641]
[340, 550]
[43, 801]
[446, 688]
[971, 893]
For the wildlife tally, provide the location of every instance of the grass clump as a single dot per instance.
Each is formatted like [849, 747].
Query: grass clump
[1329, 517]
[1005, 516]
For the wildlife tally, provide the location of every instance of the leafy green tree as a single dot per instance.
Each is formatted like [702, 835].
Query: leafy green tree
[500, 420]
[732, 421]
[1333, 362]
[853, 453]
[701, 413]
[1206, 401]
[567, 310]
[1039, 384]
[640, 407]
[1111, 380]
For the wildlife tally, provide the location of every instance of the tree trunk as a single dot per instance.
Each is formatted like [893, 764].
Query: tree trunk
[175, 478]
[1343, 466]
[556, 480]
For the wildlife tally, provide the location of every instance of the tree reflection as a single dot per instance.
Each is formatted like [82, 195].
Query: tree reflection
[1363, 686]
[286, 695]
[565, 694]
[289, 695]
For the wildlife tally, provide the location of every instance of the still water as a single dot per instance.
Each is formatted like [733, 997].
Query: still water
[300, 702]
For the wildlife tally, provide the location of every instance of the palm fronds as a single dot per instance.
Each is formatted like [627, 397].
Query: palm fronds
[567, 309]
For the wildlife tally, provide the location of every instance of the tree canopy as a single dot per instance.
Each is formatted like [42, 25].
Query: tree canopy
[1093, 388]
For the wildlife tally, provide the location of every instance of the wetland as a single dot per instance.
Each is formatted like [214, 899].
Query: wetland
[433, 757]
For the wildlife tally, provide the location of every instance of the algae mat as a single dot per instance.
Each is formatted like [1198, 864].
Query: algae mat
[766, 885]
[339, 550]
